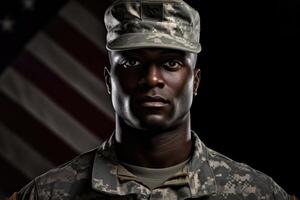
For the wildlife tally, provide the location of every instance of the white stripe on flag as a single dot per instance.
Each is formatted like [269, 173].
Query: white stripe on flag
[85, 22]
[34, 101]
[54, 57]
[20, 155]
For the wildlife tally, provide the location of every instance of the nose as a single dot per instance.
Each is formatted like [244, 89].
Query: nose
[152, 77]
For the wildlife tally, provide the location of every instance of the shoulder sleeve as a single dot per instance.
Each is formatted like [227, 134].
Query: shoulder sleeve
[277, 192]
[29, 192]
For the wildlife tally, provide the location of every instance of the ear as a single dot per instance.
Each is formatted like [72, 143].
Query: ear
[197, 78]
[107, 79]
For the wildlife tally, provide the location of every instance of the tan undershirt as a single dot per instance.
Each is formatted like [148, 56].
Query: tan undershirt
[154, 177]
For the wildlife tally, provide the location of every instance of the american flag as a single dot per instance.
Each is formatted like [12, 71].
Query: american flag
[53, 100]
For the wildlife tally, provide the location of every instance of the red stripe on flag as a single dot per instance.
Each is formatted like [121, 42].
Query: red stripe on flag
[77, 45]
[31, 130]
[64, 95]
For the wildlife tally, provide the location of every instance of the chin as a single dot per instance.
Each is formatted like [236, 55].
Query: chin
[153, 123]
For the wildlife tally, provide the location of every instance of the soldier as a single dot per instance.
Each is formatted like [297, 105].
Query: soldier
[153, 153]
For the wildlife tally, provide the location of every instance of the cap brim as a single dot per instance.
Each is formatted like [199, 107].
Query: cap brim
[139, 40]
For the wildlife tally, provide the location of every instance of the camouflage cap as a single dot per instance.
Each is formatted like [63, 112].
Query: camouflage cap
[133, 24]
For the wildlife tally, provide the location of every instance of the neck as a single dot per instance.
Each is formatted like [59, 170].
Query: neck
[155, 148]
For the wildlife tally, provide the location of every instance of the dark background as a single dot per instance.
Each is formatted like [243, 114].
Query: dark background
[247, 107]
[248, 103]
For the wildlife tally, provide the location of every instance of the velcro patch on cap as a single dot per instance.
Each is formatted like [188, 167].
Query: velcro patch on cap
[152, 11]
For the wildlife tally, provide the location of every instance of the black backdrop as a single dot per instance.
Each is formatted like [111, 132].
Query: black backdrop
[248, 104]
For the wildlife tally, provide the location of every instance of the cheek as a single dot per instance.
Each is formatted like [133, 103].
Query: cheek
[181, 84]
[118, 94]
[182, 89]
[126, 81]
[121, 88]
[186, 95]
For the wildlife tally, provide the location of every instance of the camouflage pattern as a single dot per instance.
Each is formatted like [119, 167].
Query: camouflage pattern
[135, 24]
[98, 175]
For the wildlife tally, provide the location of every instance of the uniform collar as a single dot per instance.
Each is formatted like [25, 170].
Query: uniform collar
[108, 175]
[201, 176]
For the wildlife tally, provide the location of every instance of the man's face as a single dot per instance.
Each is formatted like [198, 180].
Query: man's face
[152, 89]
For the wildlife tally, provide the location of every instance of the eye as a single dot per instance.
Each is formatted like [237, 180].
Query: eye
[173, 64]
[129, 63]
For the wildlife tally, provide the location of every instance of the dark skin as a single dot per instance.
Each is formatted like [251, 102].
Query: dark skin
[152, 91]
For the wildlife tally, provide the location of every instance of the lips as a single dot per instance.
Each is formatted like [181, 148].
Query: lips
[153, 101]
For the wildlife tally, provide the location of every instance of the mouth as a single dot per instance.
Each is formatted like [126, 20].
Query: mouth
[153, 101]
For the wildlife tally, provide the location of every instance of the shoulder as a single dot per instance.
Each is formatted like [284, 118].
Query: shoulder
[239, 179]
[77, 168]
[61, 180]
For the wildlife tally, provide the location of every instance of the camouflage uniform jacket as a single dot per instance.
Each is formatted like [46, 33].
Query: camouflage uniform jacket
[98, 175]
